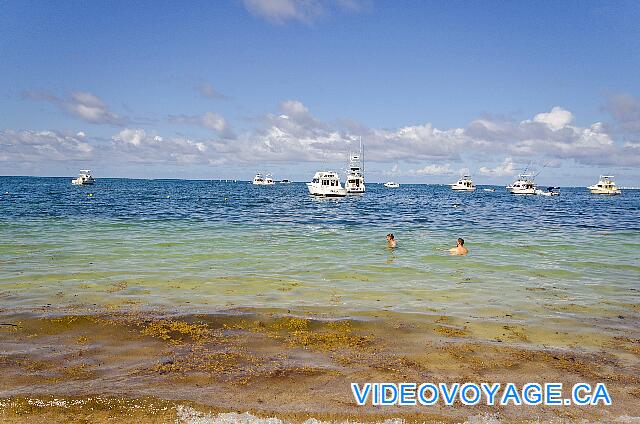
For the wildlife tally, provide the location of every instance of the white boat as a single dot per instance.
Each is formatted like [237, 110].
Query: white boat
[606, 185]
[490, 190]
[85, 178]
[268, 180]
[524, 185]
[391, 184]
[355, 178]
[326, 184]
[465, 183]
[260, 180]
[285, 182]
[550, 191]
[354, 182]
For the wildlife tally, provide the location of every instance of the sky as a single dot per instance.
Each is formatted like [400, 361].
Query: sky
[221, 90]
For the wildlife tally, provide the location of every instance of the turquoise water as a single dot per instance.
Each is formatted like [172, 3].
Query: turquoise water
[204, 246]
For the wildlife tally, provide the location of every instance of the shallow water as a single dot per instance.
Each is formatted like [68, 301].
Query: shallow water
[206, 246]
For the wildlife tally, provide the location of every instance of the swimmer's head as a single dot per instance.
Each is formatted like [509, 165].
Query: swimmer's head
[460, 242]
[389, 236]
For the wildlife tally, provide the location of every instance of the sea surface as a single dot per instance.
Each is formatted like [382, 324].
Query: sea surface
[209, 246]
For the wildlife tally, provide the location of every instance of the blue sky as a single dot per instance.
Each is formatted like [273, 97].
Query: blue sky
[222, 89]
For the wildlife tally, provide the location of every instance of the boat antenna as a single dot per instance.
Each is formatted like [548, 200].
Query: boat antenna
[544, 166]
[362, 155]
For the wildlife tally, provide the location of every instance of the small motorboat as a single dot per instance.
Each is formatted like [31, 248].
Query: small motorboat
[550, 191]
[285, 182]
[326, 184]
[85, 178]
[489, 190]
[606, 185]
[391, 184]
[463, 184]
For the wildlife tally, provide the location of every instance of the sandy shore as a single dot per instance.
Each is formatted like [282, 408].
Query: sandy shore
[148, 367]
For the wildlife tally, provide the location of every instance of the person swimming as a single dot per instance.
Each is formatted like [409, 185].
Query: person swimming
[391, 241]
[459, 250]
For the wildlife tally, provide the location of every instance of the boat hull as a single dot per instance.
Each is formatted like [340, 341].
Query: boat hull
[455, 188]
[76, 182]
[326, 191]
[522, 192]
[547, 193]
[604, 192]
[355, 190]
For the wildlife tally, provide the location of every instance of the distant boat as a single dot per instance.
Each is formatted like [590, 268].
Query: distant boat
[524, 185]
[260, 180]
[326, 184]
[85, 178]
[465, 183]
[391, 184]
[490, 190]
[285, 182]
[354, 182]
[268, 180]
[550, 191]
[606, 185]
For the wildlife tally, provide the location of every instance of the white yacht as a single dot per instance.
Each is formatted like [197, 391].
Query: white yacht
[523, 185]
[285, 181]
[326, 184]
[489, 190]
[268, 180]
[606, 185]
[355, 177]
[85, 178]
[465, 183]
[391, 184]
[258, 179]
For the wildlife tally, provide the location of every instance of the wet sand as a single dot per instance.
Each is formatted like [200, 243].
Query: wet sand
[152, 367]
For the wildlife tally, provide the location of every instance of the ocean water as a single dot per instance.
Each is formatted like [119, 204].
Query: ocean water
[208, 246]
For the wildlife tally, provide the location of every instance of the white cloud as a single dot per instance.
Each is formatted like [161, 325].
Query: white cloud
[435, 170]
[506, 168]
[556, 119]
[625, 110]
[39, 146]
[136, 145]
[214, 121]
[131, 136]
[306, 11]
[208, 91]
[293, 134]
[394, 171]
[81, 104]
[210, 120]
[280, 11]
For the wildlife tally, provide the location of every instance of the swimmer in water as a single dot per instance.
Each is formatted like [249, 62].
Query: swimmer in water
[459, 250]
[391, 241]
